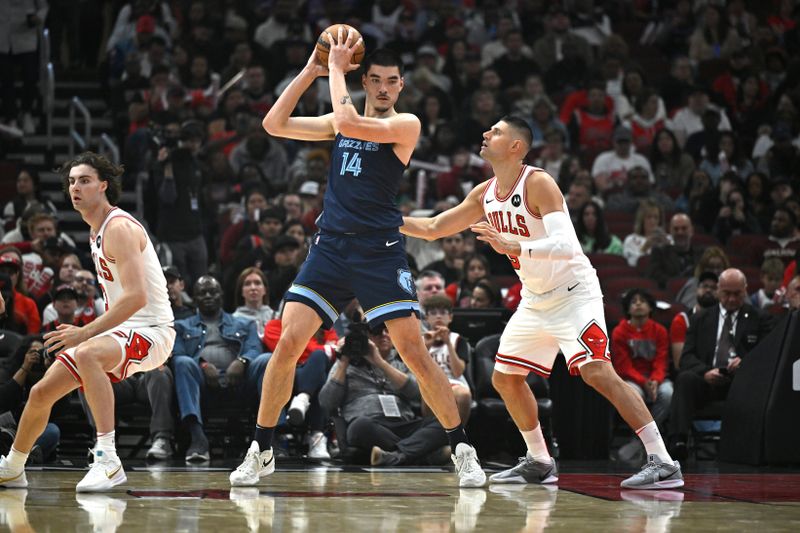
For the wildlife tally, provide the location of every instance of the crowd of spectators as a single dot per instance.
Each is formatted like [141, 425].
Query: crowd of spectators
[671, 127]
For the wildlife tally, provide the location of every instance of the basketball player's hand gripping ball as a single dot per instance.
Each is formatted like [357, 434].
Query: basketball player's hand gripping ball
[345, 47]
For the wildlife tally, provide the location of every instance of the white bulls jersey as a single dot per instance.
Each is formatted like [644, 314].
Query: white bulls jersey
[510, 216]
[157, 311]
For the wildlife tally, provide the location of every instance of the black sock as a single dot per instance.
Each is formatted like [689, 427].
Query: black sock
[455, 436]
[264, 437]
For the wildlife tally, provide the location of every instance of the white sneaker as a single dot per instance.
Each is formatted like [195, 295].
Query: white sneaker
[104, 474]
[105, 513]
[468, 468]
[298, 409]
[318, 446]
[10, 478]
[160, 450]
[256, 465]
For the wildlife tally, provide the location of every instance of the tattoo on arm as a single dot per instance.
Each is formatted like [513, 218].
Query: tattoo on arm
[346, 100]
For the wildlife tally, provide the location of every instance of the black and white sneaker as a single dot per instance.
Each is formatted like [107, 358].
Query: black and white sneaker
[528, 471]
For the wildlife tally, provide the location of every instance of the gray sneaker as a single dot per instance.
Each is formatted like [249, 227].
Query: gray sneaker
[656, 475]
[528, 471]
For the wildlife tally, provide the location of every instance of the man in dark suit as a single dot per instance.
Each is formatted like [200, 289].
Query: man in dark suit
[717, 342]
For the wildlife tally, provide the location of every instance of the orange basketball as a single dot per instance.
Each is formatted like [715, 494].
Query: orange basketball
[323, 46]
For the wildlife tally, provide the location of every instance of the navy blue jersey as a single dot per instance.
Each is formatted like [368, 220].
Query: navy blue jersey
[362, 188]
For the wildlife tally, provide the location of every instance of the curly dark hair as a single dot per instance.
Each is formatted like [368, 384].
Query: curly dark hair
[106, 171]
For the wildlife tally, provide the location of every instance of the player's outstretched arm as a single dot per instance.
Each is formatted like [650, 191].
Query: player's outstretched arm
[447, 222]
[279, 121]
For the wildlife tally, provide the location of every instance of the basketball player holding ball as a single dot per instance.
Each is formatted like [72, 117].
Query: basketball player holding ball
[358, 252]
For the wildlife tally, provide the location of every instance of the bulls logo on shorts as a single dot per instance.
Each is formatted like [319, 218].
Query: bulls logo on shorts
[594, 340]
[406, 281]
[516, 200]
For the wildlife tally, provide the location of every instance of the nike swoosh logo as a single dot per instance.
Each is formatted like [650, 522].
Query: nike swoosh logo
[490, 201]
[663, 478]
[391, 243]
[109, 475]
[265, 464]
[7, 479]
[570, 288]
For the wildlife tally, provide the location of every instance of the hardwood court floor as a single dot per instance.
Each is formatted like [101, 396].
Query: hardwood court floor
[335, 499]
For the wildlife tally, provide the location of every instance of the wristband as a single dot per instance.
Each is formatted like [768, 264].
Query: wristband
[243, 360]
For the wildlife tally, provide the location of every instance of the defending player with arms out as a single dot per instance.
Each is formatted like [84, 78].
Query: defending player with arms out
[135, 333]
[562, 305]
[359, 251]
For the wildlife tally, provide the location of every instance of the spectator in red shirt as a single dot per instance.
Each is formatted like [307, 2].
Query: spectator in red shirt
[639, 353]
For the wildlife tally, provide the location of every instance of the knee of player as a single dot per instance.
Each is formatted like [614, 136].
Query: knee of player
[87, 356]
[462, 394]
[502, 382]
[598, 374]
[41, 394]
[290, 346]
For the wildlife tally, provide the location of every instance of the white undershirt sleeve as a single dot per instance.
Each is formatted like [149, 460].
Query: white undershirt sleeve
[558, 245]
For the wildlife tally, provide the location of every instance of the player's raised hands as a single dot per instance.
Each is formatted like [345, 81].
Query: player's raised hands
[314, 65]
[488, 234]
[342, 50]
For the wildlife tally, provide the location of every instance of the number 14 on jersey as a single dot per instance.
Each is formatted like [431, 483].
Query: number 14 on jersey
[351, 164]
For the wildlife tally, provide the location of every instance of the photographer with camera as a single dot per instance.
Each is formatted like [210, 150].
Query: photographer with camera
[176, 181]
[376, 392]
[28, 365]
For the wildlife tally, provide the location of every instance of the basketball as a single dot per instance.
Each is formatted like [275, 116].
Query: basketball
[323, 46]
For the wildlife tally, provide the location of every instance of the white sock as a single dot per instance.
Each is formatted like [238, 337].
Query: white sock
[105, 442]
[16, 459]
[653, 443]
[536, 445]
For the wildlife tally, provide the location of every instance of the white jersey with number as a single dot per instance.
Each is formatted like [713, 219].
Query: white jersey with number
[157, 311]
[511, 217]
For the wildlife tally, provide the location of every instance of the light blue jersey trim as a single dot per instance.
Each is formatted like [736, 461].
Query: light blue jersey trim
[312, 295]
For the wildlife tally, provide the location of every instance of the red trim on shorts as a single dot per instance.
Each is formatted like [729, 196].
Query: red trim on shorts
[513, 187]
[523, 363]
[578, 357]
[70, 365]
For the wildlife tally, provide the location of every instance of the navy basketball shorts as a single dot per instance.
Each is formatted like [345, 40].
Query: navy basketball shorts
[370, 267]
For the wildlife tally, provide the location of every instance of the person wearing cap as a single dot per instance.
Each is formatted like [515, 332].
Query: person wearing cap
[610, 169]
[177, 180]
[65, 303]
[266, 153]
[706, 297]
[312, 204]
[175, 287]
[24, 308]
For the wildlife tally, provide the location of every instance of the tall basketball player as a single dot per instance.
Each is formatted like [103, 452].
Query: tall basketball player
[562, 305]
[135, 333]
[358, 252]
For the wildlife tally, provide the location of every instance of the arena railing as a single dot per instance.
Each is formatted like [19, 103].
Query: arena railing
[108, 147]
[74, 136]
